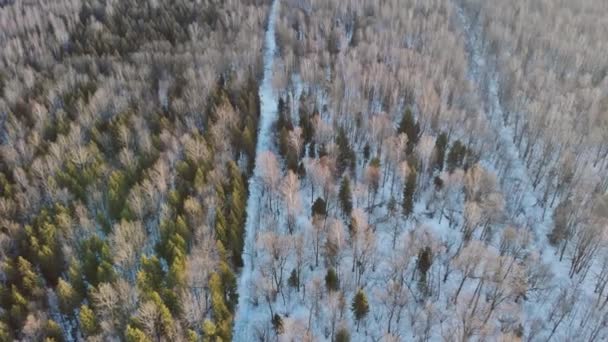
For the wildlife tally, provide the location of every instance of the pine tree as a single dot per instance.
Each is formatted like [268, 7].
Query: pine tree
[248, 143]
[423, 264]
[342, 335]
[283, 142]
[67, 296]
[219, 309]
[31, 283]
[41, 243]
[96, 261]
[294, 280]
[133, 334]
[118, 188]
[440, 149]
[346, 155]
[456, 156]
[319, 208]
[88, 321]
[209, 331]
[346, 197]
[411, 128]
[408, 193]
[221, 232]
[331, 280]
[53, 332]
[277, 324]
[360, 307]
[236, 215]
[5, 334]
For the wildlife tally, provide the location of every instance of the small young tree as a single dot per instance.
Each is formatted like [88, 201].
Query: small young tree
[440, 148]
[331, 280]
[408, 193]
[346, 197]
[424, 263]
[411, 128]
[360, 307]
[88, 321]
[342, 335]
[277, 324]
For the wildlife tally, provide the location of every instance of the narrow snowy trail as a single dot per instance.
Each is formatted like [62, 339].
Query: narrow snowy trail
[523, 204]
[268, 102]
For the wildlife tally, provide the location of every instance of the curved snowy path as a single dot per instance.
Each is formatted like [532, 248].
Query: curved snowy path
[268, 103]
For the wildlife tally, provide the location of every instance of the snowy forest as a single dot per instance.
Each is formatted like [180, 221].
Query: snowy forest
[303, 170]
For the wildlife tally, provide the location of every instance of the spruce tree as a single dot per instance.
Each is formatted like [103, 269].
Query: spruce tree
[346, 156]
[294, 280]
[277, 324]
[331, 280]
[88, 321]
[342, 335]
[133, 334]
[411, 128]
[440, 148]
[408, 193]
[67, 296]
[221, 314]
[346, 197]
[456, 156]
[53, 332]
[360, 307]
[319, 208]
[423, 264]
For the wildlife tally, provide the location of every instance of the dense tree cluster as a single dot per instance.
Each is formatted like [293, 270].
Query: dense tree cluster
[127, 142]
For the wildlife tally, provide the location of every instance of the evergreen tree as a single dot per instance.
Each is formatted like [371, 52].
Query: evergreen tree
[283, 116]
[408, 193]
[219, 309]
[192, 336]
[29, 280]
[76, 279]
[41, 244]
[96, 261]
[294, 279]
[440, 148]
[342, 335]
[18, 308]
[118, 188]
[248, 140]
[360, 307]
[5, 334]
[67, 296]
[283, 143]
[88, 321]
[277, 324]
[209, 331]
[456, 156]
[319, 208]
[423, 264]
[345, 196]
[346, 156]
[366, 152]
[331, 280]
[133, 334]
[229, 286]
[53, 332]
[411, 128]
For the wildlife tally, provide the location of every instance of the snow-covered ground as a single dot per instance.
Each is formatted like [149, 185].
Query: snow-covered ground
[523, 202]
[268, 102]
